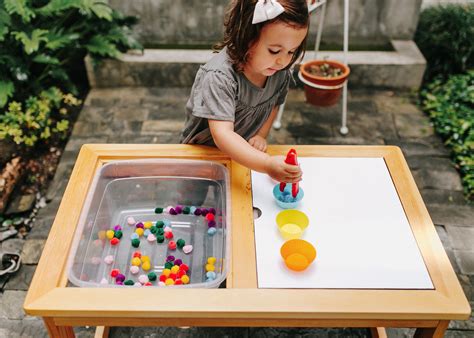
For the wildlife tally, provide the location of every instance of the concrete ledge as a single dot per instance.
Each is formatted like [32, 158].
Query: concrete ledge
[402, 68]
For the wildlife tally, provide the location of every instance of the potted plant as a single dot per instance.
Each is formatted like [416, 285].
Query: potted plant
[323, 81]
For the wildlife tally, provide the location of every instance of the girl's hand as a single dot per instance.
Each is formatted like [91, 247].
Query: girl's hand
[258, 142]
[280, 171]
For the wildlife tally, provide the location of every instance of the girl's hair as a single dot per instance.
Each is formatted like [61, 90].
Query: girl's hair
[240, 34]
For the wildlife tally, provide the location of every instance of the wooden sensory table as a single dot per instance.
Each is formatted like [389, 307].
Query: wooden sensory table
[241, 303]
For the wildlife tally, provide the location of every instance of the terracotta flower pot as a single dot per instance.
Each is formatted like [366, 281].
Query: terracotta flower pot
[323, 91]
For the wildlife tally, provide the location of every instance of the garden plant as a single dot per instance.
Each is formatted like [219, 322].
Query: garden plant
[43, 44]
[445, 35]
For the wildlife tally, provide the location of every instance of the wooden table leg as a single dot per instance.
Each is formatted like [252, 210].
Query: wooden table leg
[378, 332]
[432, 332]
[58, 331]
[102, 332]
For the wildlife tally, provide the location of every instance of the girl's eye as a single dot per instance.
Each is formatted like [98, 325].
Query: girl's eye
[274, 51]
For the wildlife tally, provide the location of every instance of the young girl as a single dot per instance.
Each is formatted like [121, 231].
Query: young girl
[235, 96]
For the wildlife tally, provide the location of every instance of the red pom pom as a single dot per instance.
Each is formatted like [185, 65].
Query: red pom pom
[114, 241]
[163, 278]
[180, 273]
[114, 273]
[137, 254]
[168, 234]
[184, 267]
[172, 245]
[148, 284]
[173, 276]
[178, 282]
[210, 217]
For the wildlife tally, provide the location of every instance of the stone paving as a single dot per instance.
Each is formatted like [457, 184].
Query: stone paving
[155, 115]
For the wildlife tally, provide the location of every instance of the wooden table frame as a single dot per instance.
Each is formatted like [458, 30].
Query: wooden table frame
[241, 303]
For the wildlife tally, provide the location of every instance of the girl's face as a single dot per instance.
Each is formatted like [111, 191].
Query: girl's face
[274, 49]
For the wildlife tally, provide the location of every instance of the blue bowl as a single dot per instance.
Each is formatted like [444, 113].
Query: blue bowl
[284, 199]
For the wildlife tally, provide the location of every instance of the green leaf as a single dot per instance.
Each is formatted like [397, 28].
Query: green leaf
[21, 8]
[5, 22]
[32, 43]
[43, 58]
[57, 39]
[6, 90]
[102, 10]
[59, 74]
[57, 6]
[99, 45]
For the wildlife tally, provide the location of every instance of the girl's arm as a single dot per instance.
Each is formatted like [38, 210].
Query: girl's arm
[241, 151]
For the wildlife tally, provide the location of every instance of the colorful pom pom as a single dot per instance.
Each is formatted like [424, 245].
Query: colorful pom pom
[109, 259]
[172, 245]
[152, 276]
[187, 249]
[110, 234]
[180, 243]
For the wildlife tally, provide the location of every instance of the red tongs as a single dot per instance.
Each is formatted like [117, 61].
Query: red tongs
[291, 158]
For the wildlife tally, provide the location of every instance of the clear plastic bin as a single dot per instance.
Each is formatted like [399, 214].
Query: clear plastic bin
[135, 188]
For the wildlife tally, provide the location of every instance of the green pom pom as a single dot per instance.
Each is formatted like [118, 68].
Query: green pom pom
[159, 224]
[158, 210]
[160, 232]
[160, 238]
[152, 276]
[135, 243]
[153, 229]
[168, 265]
[118, 234]
[180, 243]
[129, 282]
[186, 210]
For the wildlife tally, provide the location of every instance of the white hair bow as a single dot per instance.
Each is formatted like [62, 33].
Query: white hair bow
[266, 10]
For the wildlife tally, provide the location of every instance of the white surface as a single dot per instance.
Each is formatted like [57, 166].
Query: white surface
[357, 225]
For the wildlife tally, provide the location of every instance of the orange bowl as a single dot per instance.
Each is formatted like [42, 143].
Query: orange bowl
[298, 254]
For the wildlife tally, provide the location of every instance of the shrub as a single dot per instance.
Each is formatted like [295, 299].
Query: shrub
[41, 41]
[445, 36]
[450, 105]
[39, 118]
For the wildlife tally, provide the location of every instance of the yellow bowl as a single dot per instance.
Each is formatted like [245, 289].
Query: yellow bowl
[298, 254]
[292, 223]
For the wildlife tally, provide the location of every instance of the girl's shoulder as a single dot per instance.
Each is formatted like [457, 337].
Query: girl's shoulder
[220, 65]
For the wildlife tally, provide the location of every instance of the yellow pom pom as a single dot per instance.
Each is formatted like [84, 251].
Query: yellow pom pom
[175, 269]
[147, 225]
[166, 272]
[169, 281]
[145, 259]
[136, 261]
[185, 279]
[210, 267]
[110, 234]
[146, 266]
[139, 231]
[211, 260]
[101, 234]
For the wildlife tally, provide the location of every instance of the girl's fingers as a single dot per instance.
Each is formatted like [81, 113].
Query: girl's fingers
[292, 169]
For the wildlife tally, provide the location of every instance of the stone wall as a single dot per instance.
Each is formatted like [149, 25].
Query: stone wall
[200, 22]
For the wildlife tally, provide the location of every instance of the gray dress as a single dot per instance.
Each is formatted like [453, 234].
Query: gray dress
[221, 93]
